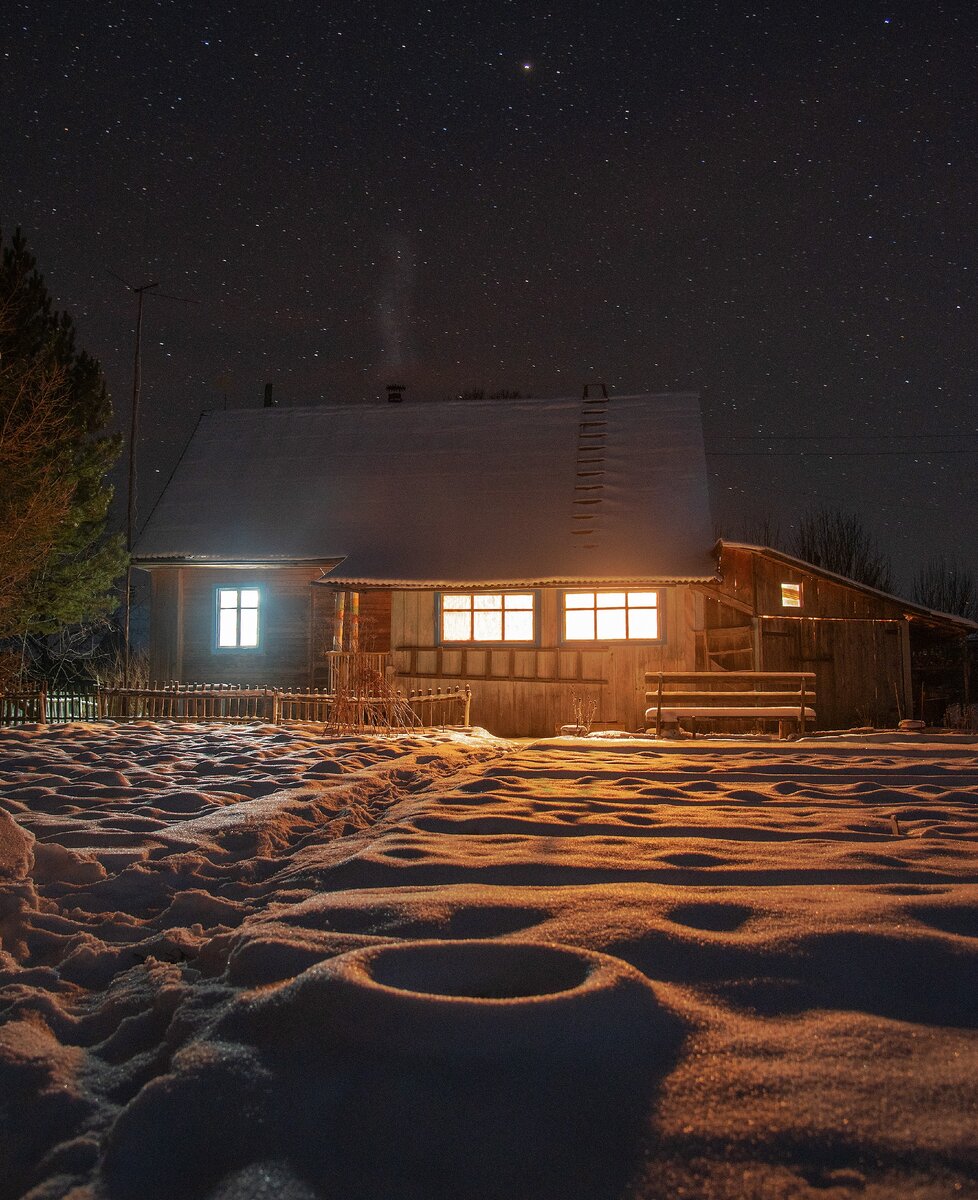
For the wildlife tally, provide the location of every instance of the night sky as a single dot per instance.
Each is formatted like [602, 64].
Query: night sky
[773, 205]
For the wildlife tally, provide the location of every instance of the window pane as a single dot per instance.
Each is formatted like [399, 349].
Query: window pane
[228, 597]
[643, 599]
[456, 601]
[456, 626]
[579, 626]
[227, 629]
[519, 627]
[488, 626]
[611, 623]
[519, 600]
[489, 600]
[249, 627]
[611, 599]
[249, 597]
[791, 595]
[579, 600]
[643, 623]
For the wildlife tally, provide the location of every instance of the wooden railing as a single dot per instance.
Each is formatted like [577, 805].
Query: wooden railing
[357, 671]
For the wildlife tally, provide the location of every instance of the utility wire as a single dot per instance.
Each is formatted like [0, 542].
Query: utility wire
[833, 437]
[837, 453]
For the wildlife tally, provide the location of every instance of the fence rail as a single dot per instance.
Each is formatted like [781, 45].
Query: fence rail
[231, 704]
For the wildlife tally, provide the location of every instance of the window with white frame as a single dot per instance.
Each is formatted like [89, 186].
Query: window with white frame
[237, 618]
[791, 595]
[611, 616]
[487, 617]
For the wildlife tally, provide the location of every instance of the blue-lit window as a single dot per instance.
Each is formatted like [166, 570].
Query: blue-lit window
[238, 618]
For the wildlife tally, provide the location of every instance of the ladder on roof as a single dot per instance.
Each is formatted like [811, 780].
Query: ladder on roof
[592, 432]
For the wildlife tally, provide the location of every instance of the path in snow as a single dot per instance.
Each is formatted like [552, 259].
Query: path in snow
[793, 1013]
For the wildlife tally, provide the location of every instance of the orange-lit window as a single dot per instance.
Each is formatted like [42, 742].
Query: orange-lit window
[237, 618]
[487, 617]
[791, 595]
[611, 616]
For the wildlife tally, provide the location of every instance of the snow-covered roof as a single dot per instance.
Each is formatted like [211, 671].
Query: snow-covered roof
[911, 606]
[449, 492]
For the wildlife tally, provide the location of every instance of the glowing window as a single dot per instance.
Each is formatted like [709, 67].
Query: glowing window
[237, 618]
[791, 595]
[611, 616]
[487, 617]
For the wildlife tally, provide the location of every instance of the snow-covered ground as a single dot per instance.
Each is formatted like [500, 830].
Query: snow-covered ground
[252, 962]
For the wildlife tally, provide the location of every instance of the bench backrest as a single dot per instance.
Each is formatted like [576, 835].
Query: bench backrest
[739, 689]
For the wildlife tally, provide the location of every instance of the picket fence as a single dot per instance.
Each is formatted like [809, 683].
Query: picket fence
[232, 704]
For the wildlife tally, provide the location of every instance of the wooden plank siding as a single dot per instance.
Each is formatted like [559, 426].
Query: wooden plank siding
[183, 625]
[529, 691]
[857, 643]
[166, 623]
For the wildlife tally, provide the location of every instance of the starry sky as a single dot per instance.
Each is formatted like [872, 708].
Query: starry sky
[771, 204]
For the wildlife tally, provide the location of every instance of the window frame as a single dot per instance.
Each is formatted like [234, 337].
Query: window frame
[599, 641]
[460, 643]
[259, 609]
[790, 583]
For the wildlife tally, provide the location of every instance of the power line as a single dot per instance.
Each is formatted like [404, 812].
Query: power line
[833, 437]
[838, 453]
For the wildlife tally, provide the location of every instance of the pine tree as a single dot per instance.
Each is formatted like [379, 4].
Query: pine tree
[59, 567]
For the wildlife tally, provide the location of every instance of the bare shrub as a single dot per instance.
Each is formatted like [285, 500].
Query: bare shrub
[945, 584]
[838, 541]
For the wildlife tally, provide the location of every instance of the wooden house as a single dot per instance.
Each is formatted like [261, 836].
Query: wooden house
[547, 552]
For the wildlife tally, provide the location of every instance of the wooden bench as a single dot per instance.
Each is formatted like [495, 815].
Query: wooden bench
[783, 696]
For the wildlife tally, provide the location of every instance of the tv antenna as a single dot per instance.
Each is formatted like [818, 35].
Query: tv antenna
[140, 291]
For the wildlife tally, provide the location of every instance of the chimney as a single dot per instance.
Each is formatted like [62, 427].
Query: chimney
[269, 402]
[395, 393]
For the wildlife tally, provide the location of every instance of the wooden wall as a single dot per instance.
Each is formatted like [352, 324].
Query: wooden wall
[521, 691]
[756, 580]
[182, 626]
[165, 641]
[857, 643]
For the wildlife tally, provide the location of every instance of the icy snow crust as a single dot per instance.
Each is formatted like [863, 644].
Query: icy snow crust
[252, 962]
